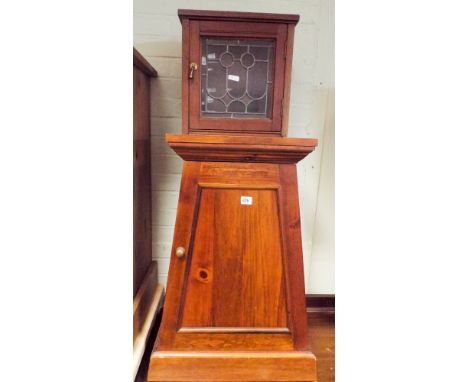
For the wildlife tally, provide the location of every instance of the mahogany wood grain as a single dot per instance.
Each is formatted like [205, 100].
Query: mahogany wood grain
[321, 333]
[224, 148]
[241, 140]
[229, 366]
[183, 232]
[239, 289]
[292, 245]
[236, 276]
[235, 305]
[235, 340]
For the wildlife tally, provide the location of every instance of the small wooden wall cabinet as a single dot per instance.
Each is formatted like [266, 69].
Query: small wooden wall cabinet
[235, 304]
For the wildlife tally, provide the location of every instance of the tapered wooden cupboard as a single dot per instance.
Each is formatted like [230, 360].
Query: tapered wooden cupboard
[235, 304]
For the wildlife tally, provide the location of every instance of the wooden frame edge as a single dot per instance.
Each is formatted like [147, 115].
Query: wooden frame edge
[141, 63]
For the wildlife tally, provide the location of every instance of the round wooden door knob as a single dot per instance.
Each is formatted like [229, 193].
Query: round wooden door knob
[180, 252]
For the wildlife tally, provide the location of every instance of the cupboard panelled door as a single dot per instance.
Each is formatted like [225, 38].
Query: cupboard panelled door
[234, 87]
[236, 277]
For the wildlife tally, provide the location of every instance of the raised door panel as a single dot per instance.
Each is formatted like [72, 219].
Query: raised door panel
[236, 273]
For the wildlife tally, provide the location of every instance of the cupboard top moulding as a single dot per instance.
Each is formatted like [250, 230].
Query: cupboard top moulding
[236, 72]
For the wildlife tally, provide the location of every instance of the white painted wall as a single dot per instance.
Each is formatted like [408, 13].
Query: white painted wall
[157, 35]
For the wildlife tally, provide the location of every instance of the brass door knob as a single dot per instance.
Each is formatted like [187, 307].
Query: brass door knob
[180, 252]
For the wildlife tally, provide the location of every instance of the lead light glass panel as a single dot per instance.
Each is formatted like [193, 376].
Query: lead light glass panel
[236, 78]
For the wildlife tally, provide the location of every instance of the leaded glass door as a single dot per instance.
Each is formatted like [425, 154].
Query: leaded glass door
[236, 78]
[238, 81]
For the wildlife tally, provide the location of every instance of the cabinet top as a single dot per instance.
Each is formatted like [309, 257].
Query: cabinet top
[195, 14]
[222, 148]
[141, 63]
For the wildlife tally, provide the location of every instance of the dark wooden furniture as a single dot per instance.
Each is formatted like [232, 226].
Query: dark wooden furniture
[142, 72]
[238, 65]
[147, 293]
[235, 304]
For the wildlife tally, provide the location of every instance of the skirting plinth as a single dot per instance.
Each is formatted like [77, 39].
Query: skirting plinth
[231, 366]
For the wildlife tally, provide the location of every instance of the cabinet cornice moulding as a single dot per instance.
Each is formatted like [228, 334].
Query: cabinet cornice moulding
[218, 148]
[237, 16]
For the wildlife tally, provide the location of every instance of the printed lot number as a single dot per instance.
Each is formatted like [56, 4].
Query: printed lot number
[247, 200]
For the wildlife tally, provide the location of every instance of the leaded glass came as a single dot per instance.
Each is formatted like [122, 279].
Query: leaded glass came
[236, 78]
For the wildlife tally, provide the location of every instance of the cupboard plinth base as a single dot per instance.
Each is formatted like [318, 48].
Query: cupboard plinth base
[173, 366]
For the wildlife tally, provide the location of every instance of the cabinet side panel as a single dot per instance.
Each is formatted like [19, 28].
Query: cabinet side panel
[291, 223]
[141, 179]
[183, 235]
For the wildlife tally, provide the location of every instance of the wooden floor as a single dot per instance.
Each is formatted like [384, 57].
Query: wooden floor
[322, 339]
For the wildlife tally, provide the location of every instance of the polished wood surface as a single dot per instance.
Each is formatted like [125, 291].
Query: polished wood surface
[232, 263]
[229, 148]
[235, 306]
[241, 140]
[238, 25]
[231, 367]
[238, 292]
[321, 336]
